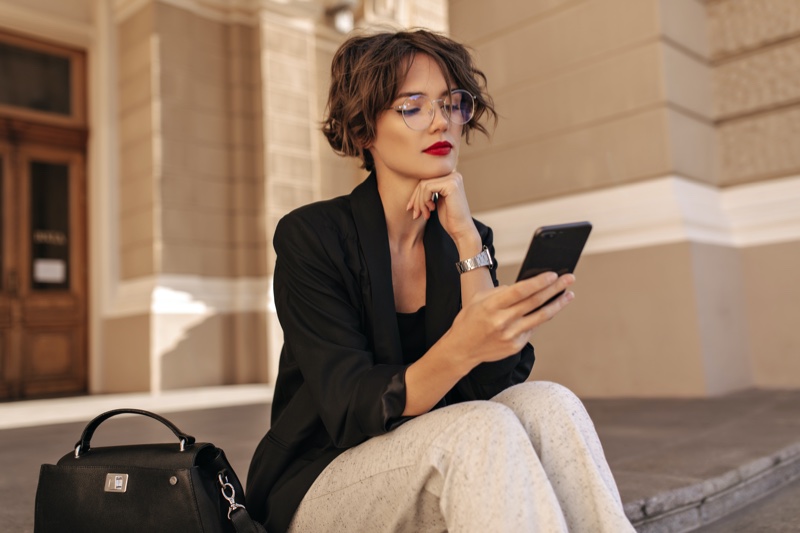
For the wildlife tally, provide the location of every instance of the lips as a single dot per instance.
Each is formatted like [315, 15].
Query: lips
[440, 148]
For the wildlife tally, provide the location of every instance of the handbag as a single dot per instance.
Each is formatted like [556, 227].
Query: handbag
[178, 487]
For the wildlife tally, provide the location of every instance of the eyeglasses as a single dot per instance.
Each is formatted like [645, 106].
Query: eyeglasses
[418, 110]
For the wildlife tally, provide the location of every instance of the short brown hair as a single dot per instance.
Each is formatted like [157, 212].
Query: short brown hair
[366, 75]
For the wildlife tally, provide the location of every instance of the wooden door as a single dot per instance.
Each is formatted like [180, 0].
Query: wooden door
[43, 279]
[43, 300]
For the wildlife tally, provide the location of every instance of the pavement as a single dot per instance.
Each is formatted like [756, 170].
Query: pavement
[726, 464]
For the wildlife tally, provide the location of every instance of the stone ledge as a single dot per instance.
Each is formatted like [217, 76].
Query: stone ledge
[690, 507]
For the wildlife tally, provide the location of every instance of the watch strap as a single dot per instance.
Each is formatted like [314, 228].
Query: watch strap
[483, 259]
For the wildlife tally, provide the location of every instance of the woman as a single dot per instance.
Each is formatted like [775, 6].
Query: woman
[400, 403]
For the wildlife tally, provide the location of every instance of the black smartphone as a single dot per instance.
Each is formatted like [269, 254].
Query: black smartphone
[556, 249]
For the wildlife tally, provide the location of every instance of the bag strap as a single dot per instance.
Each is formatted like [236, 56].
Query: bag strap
[83, 445]
[237, 513]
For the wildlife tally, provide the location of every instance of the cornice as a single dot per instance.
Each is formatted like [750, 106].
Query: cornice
[34, 22]
[245, 12]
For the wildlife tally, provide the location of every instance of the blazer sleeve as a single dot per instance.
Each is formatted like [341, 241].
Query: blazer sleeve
[318, 305]
[489, 379]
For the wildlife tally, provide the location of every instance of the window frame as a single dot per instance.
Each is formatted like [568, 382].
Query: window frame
[77, 61]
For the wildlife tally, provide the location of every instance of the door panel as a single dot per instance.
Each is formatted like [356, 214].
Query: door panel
[43, 301]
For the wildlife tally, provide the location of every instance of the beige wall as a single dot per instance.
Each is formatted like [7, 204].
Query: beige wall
[193, 200]
[125, 366]
[137, 188]
[217, 350]
[654, 321]
[591, 94]
[755, 56]
[597, 94]
[773, 313]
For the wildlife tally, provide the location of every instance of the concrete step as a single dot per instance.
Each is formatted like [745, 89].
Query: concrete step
[679, 464]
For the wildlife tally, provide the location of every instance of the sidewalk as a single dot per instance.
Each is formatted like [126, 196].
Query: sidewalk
[678, 463]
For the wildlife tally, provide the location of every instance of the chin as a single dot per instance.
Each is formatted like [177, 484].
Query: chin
[440, 170]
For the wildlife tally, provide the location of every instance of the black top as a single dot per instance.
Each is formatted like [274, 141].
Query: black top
[341, 376]
[412, 334]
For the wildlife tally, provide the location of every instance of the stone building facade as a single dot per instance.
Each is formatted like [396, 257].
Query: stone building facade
[671, 124]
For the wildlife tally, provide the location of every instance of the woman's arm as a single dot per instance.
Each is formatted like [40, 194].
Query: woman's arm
[486, 349]
[494, 326]
[318, 303]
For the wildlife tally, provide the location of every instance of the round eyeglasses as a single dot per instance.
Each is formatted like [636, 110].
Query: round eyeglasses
[418, 110]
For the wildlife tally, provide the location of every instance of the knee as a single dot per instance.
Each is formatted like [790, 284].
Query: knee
[539, 400]
[486, 420]
[546, 392]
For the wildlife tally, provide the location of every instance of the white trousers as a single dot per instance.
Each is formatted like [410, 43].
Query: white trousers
[529, 459]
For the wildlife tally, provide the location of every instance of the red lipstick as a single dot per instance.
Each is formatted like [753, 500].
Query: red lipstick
[440, 148]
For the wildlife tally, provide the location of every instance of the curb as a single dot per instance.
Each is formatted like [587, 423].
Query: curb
[688, 508]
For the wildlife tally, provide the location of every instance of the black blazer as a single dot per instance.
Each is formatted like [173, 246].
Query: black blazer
[341, 377]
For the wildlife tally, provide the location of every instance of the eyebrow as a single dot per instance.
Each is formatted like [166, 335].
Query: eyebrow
[414, 93]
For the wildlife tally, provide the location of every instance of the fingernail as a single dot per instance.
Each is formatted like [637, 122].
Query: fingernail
[551, 277]
[569, 295]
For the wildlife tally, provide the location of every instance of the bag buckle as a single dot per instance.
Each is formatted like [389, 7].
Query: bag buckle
[231, 498]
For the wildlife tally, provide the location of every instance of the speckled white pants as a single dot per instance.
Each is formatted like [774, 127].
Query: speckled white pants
[527, 460]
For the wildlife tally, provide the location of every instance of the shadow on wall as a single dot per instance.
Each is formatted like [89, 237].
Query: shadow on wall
[218, 349]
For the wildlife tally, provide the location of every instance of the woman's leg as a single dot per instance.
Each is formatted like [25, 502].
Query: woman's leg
[467, 467]
[564, 438]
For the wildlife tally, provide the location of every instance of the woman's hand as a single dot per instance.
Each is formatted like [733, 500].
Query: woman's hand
[499, 322]
[454, 213]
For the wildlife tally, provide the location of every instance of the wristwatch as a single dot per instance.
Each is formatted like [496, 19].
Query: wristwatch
[483, 259]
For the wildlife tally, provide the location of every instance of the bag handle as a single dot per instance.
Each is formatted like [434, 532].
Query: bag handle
[82, 446]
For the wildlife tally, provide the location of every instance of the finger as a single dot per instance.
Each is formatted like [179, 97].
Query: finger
[541, 297]
[520, 291]
[545, 313]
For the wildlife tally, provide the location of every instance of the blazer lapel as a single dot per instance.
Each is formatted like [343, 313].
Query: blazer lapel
[443, 286]
[370, 223]
[443, 291]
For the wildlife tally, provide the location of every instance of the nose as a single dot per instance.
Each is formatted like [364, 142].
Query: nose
[440, 118]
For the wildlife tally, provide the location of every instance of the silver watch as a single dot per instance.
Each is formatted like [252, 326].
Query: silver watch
[483, 259]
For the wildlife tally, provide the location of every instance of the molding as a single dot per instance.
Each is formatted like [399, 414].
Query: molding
[653, 213]
[30, 413]
[124, 9]
[244, 12]
[42, 25]
[191, 295]
[656, 212]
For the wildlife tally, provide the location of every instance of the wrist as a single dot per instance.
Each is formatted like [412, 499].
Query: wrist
[463, 360]
[468, 244]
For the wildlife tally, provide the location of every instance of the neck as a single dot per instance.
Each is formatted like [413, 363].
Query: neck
[404, 231]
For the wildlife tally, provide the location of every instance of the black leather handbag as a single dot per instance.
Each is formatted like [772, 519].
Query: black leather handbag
[172, 488]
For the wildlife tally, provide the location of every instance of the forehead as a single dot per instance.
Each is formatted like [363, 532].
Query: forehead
[424, 75]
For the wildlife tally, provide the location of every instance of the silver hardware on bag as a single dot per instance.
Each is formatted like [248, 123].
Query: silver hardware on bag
[116, 482]
[230, 498]
[77, 451]
[183, 445]
[173, 480]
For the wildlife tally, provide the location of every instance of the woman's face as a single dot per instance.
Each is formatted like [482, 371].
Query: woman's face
[405, 153]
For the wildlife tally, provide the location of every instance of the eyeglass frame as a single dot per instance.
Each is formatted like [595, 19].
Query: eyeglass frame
[438, 102]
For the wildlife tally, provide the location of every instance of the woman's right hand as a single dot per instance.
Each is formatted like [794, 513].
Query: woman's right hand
[498, 323]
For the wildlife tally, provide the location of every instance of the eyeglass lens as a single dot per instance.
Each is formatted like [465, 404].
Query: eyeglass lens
[418, 110]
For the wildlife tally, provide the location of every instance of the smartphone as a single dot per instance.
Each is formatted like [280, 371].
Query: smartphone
[556, 249]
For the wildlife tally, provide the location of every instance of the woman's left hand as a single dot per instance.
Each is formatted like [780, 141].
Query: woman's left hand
[454, 214]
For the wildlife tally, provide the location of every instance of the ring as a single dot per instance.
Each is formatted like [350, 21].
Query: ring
[435, 197]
